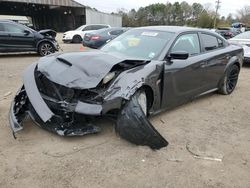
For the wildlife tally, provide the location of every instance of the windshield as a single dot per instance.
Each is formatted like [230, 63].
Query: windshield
[139, 44]
[245, 35]
[80, 28]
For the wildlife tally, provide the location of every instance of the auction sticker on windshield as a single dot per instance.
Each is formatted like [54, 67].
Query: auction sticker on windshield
[150, 34]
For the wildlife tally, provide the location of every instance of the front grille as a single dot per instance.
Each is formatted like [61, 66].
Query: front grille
[62, 93]
[54, 90]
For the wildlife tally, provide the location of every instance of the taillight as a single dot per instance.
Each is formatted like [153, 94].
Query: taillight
[95, 37]
[229, 33]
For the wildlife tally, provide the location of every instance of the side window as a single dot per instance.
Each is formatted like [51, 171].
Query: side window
[188, 43]
[88, 28]
[104, 26]
[1, 27]
[116, 32]
[13, 28]
[209, 42]
[97, 27]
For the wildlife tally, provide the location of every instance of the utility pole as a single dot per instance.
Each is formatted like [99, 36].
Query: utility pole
[218, 2]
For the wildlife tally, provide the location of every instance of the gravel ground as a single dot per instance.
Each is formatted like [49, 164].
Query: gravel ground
[214, 127]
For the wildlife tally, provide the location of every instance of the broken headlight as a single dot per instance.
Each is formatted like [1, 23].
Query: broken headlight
[108, 77]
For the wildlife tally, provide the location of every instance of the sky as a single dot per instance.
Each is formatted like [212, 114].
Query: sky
[108, 6]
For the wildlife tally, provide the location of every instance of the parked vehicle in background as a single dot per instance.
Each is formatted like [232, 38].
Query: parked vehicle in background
[77, 35]
[243, 40]
[141, 72]
[228, 33]
[239, 26]
[15, 37]
[96, 39]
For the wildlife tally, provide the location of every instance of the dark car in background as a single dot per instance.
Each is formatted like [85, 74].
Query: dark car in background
[15, 37]
[228, 33]
[97, 39]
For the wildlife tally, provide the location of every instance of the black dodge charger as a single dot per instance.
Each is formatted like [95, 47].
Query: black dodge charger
[140, 73]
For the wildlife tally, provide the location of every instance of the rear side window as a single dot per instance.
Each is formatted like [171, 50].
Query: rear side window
[188, 43]
[211, 42]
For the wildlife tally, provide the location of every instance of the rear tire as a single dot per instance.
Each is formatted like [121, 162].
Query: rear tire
[46, 48]
[77, 39]
[230, 80]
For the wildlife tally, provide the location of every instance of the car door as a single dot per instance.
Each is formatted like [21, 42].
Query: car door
[183, 79]
[19, 37]
[216, 57]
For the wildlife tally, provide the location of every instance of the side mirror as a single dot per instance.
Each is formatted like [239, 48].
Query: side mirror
[26, 32]
[179, 55]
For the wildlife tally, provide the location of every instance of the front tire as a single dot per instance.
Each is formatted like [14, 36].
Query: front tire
[46, 48]
[77, 39]
[141, 97]
[230, 80]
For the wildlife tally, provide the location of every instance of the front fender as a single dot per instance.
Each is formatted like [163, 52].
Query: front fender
[128, 82]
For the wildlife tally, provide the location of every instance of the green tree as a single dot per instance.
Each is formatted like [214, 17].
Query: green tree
[244, 15]
[205, 20]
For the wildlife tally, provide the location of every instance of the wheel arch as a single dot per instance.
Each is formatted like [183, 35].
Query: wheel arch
[233, 61]
[149, 93]
[42, 41]
[77, 35]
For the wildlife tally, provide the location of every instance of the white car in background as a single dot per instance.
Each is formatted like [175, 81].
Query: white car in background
[243, 40]
[77, 35]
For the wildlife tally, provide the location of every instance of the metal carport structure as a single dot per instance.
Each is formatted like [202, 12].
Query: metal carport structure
[60, 15]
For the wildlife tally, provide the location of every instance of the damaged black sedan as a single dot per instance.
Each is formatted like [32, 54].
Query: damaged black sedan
[140, 73]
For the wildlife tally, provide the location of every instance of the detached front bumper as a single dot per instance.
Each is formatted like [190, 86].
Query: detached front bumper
[29, 102]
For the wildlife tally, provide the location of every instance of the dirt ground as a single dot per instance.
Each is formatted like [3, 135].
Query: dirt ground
[214, 126]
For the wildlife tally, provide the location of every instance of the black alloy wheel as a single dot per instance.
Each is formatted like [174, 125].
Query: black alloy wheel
[230, 80]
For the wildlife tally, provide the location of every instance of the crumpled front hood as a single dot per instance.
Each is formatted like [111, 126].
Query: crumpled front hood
[79, 70]
[48, 33]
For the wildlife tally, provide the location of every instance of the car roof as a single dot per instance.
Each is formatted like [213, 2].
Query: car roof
[175, 29]
[95, 24]
[108, 30]
[8, 21]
